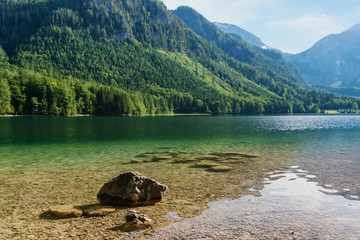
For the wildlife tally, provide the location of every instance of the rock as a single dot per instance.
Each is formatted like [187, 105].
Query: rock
[136, 220]
[161, 158]
[206, 164]
[98, 211]
[143, 155]
[185, 160]
[66, 211]
[209, 157]
[238, 154]
[220, 168]
[131, 189]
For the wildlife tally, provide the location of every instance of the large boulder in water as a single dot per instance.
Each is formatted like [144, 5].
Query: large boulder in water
[131, 189]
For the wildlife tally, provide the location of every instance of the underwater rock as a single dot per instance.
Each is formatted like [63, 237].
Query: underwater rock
[97, 211]
[206, 164]
[185, 160]
[161, 158]
[136, 220]
[209, 157]
[237, 154]
[220, 168]
[131, 189]
[66, 211]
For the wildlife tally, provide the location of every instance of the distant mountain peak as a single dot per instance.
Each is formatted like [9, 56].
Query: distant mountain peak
[354, 28]
[245, 35]
[222, 25]
[332, 61]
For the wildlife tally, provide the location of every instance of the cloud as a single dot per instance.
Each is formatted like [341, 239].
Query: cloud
[231, 11]
[297, 34]
[320, 24]
[291, 26]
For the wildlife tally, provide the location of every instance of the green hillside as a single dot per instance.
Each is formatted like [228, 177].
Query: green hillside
[134, 57]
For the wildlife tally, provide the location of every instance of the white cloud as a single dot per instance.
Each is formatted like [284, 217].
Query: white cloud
[320, 24]
[231, 11]
[298, 34]
[291, 26]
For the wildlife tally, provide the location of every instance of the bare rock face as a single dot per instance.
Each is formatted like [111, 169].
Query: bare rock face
[136, 220]
[131, 189]
[66, 211]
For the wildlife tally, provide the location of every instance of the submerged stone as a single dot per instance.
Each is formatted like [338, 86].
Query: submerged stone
[131, 189]
[98, 211]
[135, 161]
[185, 160]
[66, 211]
[237, 154]
[161, 158]
[206, 164]
[220, 168]
[209, 157]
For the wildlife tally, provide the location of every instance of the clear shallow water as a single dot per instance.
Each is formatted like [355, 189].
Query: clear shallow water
[325, 149]
[288, 208]
[327, 146]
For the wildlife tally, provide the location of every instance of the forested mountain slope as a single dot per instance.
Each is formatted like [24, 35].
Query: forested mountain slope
[66, 57]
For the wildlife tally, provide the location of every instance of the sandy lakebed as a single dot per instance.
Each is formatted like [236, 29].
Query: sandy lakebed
[28, 193]
[302, 184]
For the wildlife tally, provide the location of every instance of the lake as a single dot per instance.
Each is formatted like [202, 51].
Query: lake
[306, 172]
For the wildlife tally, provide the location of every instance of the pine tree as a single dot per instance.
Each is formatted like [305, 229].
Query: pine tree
[5, 97]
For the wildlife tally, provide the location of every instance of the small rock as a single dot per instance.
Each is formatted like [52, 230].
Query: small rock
[239, 154]
[131, 189]
[143, 155]
[66, 211]
[209, 157]
[206, 164]
[185, 160]
[98, 211]
[220, 168]
[161, 158]
[136, 220]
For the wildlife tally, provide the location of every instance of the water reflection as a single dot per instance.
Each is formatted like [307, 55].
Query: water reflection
[290, 207]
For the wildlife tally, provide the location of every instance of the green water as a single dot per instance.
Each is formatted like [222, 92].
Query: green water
[78, 141]
[34, 141]
[328, 146]
[46, 161]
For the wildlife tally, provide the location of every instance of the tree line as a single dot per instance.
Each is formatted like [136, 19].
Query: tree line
[135, 58]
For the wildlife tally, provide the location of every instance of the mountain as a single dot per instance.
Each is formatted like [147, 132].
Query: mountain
[135, 57]
[271, 66]
[245, 35]
[334, 61]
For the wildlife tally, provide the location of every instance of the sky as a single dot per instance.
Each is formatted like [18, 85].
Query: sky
[289, 25]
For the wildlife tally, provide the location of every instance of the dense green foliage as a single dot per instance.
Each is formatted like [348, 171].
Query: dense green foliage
[134, 57]
[36, 94]
[265, 67]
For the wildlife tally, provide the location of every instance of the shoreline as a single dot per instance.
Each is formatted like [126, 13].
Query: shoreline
[326, 113]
